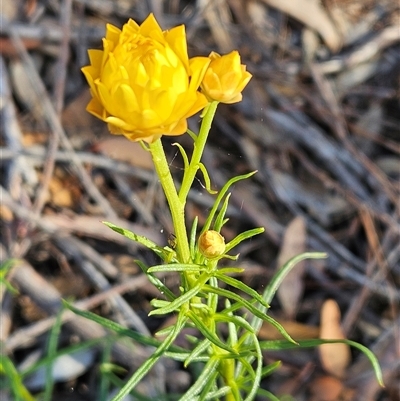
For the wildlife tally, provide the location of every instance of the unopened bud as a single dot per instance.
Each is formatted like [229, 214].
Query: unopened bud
[211, 244]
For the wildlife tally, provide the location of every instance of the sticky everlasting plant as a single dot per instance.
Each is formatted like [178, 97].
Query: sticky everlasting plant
[144, 86]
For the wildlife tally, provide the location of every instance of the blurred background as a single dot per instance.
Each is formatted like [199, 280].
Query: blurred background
[320, 121]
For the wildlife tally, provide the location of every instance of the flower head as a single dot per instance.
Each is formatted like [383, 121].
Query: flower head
[225, 78]
[142, 83]
[211, 244]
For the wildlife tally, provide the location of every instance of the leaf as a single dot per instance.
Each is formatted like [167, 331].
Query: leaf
[183, 154]
[291, 289]
[284, 344]
[279, 277]
[152, 360]
[208, 374]
[207, 333]
[241, 286]
[207, 180]
[243, 236]
[250, 307]
[161, 252]
[220, 196]
[334, 357]
[177, 267]
[186, 297]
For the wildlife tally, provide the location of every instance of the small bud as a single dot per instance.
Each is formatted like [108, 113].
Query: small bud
[211, 244]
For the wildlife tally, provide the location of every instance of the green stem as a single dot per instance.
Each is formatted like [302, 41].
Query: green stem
[198, 149]
[176, 207]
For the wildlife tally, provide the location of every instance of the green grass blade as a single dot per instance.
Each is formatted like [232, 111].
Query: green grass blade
[104, 385]
[51, 354]
[19, 391]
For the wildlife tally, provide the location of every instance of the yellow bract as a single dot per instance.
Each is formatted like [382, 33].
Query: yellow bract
[142, 83]
[211, 244]
[225, 78]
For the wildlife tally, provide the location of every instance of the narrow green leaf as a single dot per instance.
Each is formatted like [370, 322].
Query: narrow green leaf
[213, 395]
[178, 302]
[208, 372]
[231, 270]
[156, 282]
[221, 195]
[192, 242]
[241, 286]
[192, 134]
[177, 267]
[120, 330]
[267, 370]
[105, 367]
[265, 393]
[238, 321]
[282, 344]
[51, 354]
[212, 300]
[183, 154]
[257, 377]
[197, 351]
[181, 357]
[285, 269]
[211, 384]
[251, 308]
[207, 180]
[243, 236]
[278, 278]
[159, 251]
[209, 334]
[152, 360]
[5, 267]
[20, 392]
[220, 219]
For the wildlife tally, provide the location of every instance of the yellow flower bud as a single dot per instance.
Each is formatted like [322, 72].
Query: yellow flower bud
[225, 78]
[211, 244]
[142, 83]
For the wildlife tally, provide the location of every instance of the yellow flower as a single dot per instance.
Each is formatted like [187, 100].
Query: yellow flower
[225, 78]
[142, 83]
[211, 244]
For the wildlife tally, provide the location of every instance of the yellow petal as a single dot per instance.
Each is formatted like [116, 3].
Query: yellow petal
[95, 107]
[176, 38]
[126, 98]
[112, 34]
[151, 28]
[198, 67]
